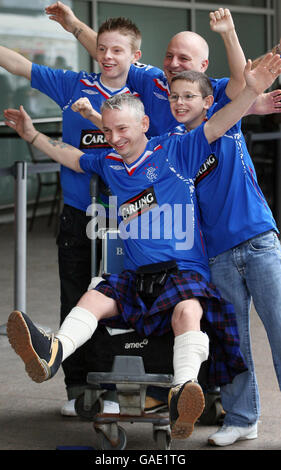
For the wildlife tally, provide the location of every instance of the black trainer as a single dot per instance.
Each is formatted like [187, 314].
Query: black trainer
[152, 405]
[186, 404]
[41, 353]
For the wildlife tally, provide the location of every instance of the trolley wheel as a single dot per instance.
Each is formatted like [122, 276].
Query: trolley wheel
[105, 444]
[162, 439]
[213, 414]
[86, 414]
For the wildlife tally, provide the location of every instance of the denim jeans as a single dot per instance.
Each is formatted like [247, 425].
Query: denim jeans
[250, 271]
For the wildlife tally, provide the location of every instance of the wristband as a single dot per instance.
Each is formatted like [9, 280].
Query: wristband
[34, 138]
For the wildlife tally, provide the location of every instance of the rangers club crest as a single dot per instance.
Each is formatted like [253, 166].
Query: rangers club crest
[151, 172]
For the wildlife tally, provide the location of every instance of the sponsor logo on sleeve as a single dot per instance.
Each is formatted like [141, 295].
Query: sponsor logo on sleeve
[206, 168]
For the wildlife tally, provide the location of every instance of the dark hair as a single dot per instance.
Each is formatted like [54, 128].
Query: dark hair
[124, 26]
[201, 78]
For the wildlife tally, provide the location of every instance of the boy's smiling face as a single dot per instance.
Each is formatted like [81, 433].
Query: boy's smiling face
[114, 56]
[188, 106]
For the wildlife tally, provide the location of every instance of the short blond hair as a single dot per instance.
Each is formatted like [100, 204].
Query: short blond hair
[125, 27]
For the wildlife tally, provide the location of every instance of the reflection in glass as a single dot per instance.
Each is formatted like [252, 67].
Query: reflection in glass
[242, 3]
[43, 42]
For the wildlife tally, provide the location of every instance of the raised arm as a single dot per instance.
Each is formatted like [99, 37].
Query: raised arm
[222, 23]
[63, 15]
[62, 153]
[15, 63]
[257, 81]
[267, 103]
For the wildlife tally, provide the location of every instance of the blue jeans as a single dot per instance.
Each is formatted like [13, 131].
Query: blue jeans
[250, 271]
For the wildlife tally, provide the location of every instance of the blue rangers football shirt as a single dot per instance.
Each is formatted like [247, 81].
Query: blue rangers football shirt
[156, 204]
[232, 206]
[65, 87]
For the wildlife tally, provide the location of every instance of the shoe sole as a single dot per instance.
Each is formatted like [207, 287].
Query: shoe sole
[20, 340]
[213, 442]
[190, 406]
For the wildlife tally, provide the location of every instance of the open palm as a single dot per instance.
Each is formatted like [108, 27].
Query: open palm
[21, 122]
[266, 72]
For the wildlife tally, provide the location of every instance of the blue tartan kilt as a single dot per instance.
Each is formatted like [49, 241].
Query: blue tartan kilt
[218, 321]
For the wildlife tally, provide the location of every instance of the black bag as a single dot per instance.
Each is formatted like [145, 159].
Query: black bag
[151, 278]
[156, 351]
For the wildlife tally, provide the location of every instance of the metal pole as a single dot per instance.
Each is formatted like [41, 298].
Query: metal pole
[20, 236]
[20, 171]
[94, 188]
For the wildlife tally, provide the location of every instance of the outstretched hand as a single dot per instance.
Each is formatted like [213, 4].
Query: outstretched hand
[62, 14]
[273, 101]
[221, 20]
[269, 103]
[266, 72]
[21, 122]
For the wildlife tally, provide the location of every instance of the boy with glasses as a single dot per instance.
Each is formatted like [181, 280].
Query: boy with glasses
[242, 242]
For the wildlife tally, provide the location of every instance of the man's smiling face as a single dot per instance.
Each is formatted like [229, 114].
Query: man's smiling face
[186, 51]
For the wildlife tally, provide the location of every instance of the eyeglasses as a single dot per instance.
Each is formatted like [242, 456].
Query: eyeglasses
[173, 98]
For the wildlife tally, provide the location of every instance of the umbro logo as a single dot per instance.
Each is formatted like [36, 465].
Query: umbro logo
[117, 167]
[90, 92]
[161, 97]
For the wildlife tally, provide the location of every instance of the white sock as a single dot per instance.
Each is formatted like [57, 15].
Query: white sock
[76, 329]
[190, 350]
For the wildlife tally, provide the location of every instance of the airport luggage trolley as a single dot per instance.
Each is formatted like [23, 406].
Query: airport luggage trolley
[131, 381]
[128, 375]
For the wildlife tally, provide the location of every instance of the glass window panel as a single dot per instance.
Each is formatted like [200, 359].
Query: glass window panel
[82, 10]
[253, 45]
[157, 26]
[29, 31]
[32, 34]
[242, 3]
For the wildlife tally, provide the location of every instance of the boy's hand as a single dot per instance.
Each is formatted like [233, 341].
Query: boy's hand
[273, 102]
[269, 103]
[63, 15]
[266, 72]
[21, 122]
[221, 21]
